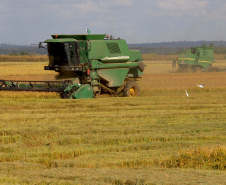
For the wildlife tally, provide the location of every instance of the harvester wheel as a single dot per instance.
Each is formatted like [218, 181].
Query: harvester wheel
[198, 69]
[131, 89]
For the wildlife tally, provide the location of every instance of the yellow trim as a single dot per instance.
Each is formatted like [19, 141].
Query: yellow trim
[193, 59]
[186, 59]
[204, 61]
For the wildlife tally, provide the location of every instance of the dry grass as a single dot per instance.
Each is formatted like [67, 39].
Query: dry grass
[155, 57]
[213, 158]
[23, 58]
[20, 70]
[162, 133]
[27, 94]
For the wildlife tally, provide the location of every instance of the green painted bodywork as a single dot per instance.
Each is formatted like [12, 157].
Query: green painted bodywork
[115, 78]
[80, 91]
[85, 91]
[197, 57]
[95, 47]
[109, 60]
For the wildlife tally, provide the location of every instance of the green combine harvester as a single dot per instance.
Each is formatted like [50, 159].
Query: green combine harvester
[93, 64]
[197, 58]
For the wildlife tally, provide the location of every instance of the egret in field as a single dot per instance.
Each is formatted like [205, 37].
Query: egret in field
[201, 86]
[187, 93]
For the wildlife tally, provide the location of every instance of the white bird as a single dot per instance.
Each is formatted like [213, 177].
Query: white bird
[187, 93]
[201, 86]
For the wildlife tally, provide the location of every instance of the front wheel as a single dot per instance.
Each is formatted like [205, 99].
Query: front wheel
[131, 89]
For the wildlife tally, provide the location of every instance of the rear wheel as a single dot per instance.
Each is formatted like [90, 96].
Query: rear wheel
[131, 89]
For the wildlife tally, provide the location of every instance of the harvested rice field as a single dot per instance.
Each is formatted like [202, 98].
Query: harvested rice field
[160, 137]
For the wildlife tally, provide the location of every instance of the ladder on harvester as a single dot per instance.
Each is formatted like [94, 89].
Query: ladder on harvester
[95, 81]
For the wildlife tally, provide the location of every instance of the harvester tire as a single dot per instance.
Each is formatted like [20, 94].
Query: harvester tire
[197, 69]
[131, 89]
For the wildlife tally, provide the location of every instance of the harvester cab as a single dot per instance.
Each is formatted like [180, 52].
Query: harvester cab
[92, 63]
[63, 54]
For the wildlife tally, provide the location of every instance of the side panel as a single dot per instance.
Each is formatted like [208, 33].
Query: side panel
[135, 55]
[111, 51]
[114, 77]
[206, 56]
[188, 59]
[134, 73]
[85, 91]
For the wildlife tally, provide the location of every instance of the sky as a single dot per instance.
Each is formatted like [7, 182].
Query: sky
[136, 21]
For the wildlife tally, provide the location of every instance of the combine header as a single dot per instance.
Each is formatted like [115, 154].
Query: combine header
[93, 64]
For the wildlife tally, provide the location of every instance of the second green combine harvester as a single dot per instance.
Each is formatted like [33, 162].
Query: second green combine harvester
[94, 63]
[197, 58]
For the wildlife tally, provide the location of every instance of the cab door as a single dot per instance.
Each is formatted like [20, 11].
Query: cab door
[72, 53]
